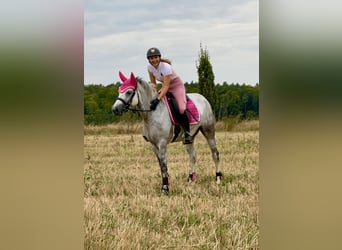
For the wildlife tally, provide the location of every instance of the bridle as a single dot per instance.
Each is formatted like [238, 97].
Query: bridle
[128, 103]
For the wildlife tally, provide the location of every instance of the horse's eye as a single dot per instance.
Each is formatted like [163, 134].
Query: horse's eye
[129, 92]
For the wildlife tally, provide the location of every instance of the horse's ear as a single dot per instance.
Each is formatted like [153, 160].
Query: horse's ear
[122, 77]
[133, 80]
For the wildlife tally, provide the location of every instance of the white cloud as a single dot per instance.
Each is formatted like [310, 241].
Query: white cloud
[117, 36]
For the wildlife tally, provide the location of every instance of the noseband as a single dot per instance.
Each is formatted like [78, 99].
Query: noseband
[127, 104]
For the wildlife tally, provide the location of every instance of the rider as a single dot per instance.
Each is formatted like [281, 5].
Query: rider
[160, 69]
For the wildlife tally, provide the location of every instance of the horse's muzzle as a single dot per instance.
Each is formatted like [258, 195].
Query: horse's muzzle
[116, 111]
[120, 106]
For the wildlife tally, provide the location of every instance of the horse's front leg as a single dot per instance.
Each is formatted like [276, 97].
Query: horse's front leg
[160, 151]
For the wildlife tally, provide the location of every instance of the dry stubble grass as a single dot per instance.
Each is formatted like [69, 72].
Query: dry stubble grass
[124, 208]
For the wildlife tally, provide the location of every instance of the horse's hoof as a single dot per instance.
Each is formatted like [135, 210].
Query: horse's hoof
[192, 177]
[219, 177]
[165, 189]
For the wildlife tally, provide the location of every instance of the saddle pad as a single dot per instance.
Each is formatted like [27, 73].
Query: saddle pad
[192, 111]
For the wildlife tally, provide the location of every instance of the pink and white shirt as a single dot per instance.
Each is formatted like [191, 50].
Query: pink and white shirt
[176, 87]
[163, 69]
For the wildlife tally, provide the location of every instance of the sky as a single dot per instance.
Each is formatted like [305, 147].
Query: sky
[117, 35]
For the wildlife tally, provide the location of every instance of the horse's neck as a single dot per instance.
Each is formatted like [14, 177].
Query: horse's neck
[146, 94]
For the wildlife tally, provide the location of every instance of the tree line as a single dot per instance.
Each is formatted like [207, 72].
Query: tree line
[226, 100]
[231, 100]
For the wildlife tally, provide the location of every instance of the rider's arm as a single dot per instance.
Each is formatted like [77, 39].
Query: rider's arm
[153, 81]
[165, 88]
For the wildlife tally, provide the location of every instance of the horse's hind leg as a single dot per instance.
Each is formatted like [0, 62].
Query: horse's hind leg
[210, 136]
[215, 154]
[192, 156]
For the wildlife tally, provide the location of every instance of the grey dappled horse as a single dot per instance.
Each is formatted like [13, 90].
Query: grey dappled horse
[136, 94]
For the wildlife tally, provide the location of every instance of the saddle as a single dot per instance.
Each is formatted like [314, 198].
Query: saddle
[172, 107]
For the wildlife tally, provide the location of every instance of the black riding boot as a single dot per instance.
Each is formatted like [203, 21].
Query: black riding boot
[184, 120]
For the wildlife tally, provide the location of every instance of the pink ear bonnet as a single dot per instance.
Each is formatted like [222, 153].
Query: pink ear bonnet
[127, 83]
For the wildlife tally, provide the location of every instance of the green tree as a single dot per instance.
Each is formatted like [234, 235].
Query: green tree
[98, 101]
[206, 85]
[233, 100]
[191, 87]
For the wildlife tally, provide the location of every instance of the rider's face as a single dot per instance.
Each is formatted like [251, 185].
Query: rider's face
[154, 60]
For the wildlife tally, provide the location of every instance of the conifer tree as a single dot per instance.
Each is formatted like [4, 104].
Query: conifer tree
[206, 77]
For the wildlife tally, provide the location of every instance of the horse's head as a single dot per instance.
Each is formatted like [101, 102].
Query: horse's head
[127, 95]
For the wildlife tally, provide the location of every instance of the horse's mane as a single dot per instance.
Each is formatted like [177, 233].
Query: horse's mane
[147, 86]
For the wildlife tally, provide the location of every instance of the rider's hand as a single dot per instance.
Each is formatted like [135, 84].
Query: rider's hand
[153, 104]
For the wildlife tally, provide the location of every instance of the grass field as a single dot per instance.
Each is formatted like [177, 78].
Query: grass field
[124, 209]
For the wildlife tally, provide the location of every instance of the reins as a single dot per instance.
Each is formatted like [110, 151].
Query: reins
[139, 110]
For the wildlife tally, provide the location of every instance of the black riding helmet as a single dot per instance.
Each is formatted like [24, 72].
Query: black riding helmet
[153, 52]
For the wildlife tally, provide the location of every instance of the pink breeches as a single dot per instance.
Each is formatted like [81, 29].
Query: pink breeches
[178, 90]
